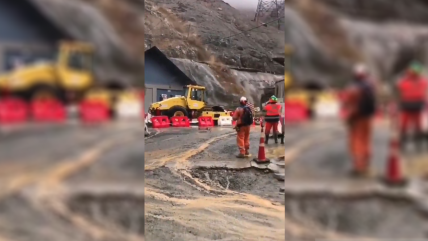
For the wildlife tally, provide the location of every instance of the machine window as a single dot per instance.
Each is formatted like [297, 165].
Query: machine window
[197, 95]
[80, 61]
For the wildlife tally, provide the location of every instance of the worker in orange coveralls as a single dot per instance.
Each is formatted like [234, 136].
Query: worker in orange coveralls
[360, 107]
[243, 116]
[412, 89]
[273, 112]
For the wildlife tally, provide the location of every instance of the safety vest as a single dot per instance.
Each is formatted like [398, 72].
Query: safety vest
[273, 109]
[413, 90]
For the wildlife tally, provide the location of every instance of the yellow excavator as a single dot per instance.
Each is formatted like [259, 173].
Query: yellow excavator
[69, 78]
[192, 104]
[70, 75]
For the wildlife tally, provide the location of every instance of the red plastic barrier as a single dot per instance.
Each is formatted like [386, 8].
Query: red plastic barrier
[160, 121]
[205, 122]
[180, 121]
[13, 111]
[295, 112]
[94, 112]
[48, 111]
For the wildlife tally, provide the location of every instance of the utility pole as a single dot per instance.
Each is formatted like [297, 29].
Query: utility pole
[269, 8]
[277, 13]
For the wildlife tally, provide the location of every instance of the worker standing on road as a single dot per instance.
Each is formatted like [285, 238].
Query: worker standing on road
[412, 89]
[273, 112]
[360, 107]
[243, 116]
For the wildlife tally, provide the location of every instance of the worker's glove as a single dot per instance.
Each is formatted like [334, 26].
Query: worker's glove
[237, 128]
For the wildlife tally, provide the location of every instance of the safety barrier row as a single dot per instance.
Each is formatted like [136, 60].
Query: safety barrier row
[180, 121]
[16, 111]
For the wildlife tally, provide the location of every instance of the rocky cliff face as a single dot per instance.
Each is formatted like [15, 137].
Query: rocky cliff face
[205, 38]
[201, 30]
[331, 35]
[251, 84]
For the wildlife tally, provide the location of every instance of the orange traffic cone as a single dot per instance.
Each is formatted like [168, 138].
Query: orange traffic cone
[394, 170]
[261, 158]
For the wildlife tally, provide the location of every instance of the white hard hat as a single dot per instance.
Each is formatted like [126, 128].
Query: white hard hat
[243, 98]
[360, 69]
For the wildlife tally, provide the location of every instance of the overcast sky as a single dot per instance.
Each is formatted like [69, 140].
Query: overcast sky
[250, 4]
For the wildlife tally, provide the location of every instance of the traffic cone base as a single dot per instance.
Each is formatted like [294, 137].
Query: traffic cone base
[398, 183]
[261, 158]
[265, 161]
[394, 171]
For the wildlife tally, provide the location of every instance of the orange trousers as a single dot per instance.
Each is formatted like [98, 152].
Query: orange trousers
[243, 139]
[410, 120]
[270, 125]
[360, 143]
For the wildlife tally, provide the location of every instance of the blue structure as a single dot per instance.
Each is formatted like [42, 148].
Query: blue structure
[162, 77]
[26, 35]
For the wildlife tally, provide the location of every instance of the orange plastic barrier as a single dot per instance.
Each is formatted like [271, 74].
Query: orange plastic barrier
[205, 122]
[94, 112]
[13, 111]
[180, 121]
[48, 111]
[295, 112]
[160, 122]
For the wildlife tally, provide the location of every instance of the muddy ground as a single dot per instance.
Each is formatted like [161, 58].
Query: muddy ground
[96, 185]
[184, 191]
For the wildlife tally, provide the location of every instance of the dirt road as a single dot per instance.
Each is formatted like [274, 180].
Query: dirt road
[197, 190]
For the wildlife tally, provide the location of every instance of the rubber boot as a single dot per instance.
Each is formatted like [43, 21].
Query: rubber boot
[419, 141]
[266, 139]
[275, 136]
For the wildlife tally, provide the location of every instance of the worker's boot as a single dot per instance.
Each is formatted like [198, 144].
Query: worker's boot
[240, 155]
[419, 141]
[275, 136]
[282, 139]
[266, 139]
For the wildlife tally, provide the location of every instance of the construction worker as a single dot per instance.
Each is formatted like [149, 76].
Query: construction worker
[360, 107]
[273, 112]
[243, 116]
[412, 89]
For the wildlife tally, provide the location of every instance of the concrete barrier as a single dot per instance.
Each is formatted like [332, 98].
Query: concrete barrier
[128, 110]
[225, 121]
[327, 109]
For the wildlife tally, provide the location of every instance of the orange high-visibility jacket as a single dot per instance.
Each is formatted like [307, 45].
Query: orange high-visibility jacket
[273, 109]
[412, 90]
